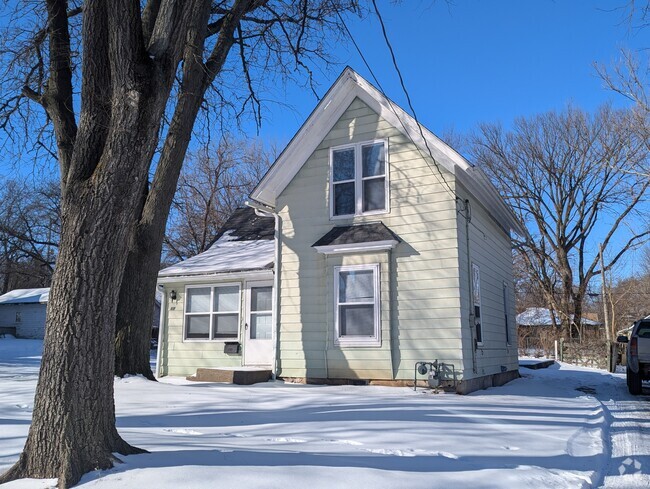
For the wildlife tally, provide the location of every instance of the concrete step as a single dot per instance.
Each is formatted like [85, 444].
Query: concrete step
[239, 376]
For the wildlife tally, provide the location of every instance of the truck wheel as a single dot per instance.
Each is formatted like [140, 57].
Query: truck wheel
[633, 382]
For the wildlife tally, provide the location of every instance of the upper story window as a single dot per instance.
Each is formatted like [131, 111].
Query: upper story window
[358, 176]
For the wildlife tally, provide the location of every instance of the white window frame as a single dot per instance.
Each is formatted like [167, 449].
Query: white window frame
[359, 179]
[358, 341]
[211, 312]
[476, 303]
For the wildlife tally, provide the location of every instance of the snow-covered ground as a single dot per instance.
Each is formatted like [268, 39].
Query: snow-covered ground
[562, 427]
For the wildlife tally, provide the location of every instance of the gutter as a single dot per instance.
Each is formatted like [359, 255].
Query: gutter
[264, 210]
[201, 277]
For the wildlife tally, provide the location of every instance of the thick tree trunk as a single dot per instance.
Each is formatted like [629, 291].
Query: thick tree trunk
[141, 273]
[135, 306]
[73, 426]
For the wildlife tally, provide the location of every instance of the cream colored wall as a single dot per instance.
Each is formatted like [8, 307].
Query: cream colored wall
[490, 249]
[182, 357]
[420, 312]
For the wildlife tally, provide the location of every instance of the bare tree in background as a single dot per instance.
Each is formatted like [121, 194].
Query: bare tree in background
[131, 68]
[571, 179]
[29, 234]
[629, 76]
[213, 183]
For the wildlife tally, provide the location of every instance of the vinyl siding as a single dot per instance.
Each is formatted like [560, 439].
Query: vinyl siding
[32, 319]
[420, 296]
[490, 249]
[182, 357]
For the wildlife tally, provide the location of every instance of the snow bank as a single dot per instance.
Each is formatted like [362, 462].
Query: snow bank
[561, 427]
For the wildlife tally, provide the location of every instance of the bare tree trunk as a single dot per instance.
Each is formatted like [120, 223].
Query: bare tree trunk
[141, 273]
[73, 427]
[133, 324]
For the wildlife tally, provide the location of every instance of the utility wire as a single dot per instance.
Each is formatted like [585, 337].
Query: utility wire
[408, 98]
[466, 210]
[390, 103]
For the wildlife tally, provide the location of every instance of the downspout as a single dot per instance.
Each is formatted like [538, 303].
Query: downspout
[391, 315]
[327, 331]
[161, 326]
[266, 211]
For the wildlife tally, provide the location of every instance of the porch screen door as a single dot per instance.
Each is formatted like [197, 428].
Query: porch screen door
[258, 350]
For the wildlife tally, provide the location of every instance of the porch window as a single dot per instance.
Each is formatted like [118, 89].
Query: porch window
[357, 305]
[212, 313]
[358, 176]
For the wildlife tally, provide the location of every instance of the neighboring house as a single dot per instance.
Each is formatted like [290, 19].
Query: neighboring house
[535, 323]
[22, 312]
[389, 249]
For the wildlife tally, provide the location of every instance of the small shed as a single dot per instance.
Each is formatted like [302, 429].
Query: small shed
[22, 312]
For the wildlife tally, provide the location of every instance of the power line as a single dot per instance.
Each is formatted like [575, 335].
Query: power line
[466, 211]
[408, 97]
[390, 103]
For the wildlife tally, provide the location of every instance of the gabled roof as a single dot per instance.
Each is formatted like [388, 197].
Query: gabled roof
[245, 243]
[26, 296]
[346, 88]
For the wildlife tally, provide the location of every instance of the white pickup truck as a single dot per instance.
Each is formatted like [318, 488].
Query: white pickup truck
[638, 355]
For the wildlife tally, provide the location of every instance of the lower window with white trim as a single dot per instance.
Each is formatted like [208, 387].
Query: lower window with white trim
[212, 312]
[356, 296]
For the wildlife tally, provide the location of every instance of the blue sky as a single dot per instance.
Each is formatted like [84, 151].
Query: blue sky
[467, 61]
[470, 61]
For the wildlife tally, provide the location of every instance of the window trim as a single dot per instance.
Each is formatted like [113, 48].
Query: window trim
[212, 313]
[249, 308]
[359, 341]
[476, 302]
[359, 179]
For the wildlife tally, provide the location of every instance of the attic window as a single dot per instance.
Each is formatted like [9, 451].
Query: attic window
[358, 176]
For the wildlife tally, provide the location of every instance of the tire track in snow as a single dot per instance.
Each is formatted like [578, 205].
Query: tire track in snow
[626, 441]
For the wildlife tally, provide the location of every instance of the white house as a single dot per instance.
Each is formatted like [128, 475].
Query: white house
[22, 312]
[388, 249]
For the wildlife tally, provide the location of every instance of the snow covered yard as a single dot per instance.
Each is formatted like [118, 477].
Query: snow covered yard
[562, 427]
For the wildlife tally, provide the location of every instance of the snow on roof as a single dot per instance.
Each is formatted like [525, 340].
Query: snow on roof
[245, 242]
[541, 316]
[26, 296]
[226, 255]
[536, 316]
